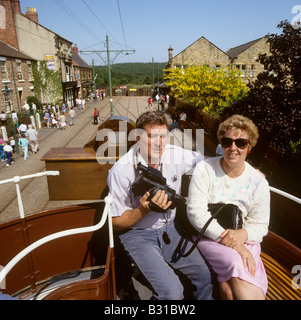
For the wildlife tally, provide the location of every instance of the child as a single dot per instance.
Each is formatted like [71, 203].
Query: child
[8, 152]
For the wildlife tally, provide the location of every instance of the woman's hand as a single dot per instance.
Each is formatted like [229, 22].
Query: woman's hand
[235, 239]
[231, 238]
[247, 258]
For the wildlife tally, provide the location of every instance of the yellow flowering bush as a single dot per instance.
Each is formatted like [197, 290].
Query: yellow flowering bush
[207, 88]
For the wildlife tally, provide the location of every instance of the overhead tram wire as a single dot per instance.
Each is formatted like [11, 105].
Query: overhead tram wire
[108, 31]
[71, 14]
[121, 24]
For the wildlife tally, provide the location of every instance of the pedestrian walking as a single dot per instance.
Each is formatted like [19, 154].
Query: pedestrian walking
[72, 117]
[2, 151]
[14, 116]
[8, 152]
[79, 103]
[3, 119]
[47, 118]
[22, 128]
[95, 115]
[150, 103]
[12, 143]
[33, 138]
[23, 143]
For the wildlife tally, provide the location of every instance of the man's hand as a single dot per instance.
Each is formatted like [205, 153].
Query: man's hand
[160, 199]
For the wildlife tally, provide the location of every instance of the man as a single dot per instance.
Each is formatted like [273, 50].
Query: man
[72, 117]
[22, 128]
[33, 138]
[151, 238]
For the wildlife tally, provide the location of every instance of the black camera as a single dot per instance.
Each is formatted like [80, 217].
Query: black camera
[152, 180]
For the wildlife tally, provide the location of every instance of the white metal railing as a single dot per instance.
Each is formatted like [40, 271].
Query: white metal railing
[286, 195]
[17, 180]
[106, 214]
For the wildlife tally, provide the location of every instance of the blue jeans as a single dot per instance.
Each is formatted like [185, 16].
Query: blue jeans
[8, 156]
[157, 261]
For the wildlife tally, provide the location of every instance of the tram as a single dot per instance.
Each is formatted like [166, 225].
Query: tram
[70, 253]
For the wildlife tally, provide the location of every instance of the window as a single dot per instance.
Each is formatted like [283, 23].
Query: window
[252, 70]
[29, 70]
[244, 70]
[69, 75]
[3, 71]
[19, 70]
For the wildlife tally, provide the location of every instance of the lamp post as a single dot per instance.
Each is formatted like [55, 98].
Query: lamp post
[7, 93]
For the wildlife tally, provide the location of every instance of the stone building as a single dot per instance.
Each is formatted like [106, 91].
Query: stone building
[83, 74]
[203, 52]
[244, 57]
[16, 75]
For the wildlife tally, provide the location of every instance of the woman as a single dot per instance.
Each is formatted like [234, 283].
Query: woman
[23, 143]
[233, 254]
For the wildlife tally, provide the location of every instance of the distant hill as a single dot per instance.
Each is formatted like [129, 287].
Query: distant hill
[130, 74]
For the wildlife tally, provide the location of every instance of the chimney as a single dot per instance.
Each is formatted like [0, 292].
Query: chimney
[170, 53]
[75, 48]
[31, 13]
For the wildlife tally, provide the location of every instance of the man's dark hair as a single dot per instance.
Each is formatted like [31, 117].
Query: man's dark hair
[151, 117]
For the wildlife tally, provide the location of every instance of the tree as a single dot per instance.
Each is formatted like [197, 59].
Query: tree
[209, 89]
[274, 99]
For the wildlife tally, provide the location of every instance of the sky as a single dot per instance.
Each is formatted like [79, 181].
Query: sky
[150, 26]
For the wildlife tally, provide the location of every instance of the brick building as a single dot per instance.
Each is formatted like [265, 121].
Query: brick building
[16, 74]
[15, 65]
[24, 33]
[203, 52]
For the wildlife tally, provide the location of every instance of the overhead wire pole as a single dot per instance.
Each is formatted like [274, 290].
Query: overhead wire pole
[99, 52]
[110, 78]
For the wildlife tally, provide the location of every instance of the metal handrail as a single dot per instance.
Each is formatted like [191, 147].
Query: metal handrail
[106, 214]
[285, 194]
[17, 180]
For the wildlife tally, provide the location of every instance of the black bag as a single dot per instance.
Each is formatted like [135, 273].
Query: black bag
[229, 216]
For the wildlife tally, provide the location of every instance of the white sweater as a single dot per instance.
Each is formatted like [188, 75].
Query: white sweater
[250, 192]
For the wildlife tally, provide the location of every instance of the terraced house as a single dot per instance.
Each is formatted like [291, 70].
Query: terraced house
[24, 33]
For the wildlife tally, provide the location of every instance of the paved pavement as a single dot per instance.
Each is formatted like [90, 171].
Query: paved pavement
[35, 191]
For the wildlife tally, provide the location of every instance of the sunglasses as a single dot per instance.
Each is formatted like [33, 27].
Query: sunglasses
[240, 143]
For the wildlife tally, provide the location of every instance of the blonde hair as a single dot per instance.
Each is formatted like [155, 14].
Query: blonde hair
[238, 122]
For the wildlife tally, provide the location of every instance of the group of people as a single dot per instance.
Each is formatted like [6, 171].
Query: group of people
[58, 120]
[161, 99]
[146, 223]
[27, 137]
